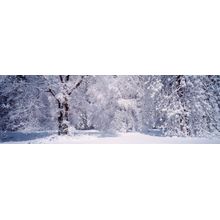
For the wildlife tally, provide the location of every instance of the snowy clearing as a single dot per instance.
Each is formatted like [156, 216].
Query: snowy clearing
[96, 137]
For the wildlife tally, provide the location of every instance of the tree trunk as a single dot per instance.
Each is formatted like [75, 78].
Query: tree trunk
[63, 118]
[184, 120]
[63, 102]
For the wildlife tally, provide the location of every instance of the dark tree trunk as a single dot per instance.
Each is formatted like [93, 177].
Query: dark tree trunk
[63, 103]
[184, 120]
[63, 117]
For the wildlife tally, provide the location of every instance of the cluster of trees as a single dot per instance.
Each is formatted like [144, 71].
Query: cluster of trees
[178, 105]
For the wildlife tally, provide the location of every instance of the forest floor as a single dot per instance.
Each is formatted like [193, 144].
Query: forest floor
[97, 137]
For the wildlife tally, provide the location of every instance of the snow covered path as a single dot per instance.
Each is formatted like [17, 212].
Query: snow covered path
[96, 137]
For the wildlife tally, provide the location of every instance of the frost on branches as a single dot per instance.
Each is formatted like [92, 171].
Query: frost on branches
[174, 105]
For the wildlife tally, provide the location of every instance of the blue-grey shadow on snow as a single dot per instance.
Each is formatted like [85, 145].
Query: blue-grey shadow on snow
[153, 132]
[99, 134]
[22, 136]
[107, 134]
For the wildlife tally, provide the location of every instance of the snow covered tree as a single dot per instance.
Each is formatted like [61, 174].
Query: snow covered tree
[180, 105]
[151, 111]
[22, 103]
[81, 105]
[175, 105]
[126, 96]
[27, 102]
[187, 105]
[61, 88]
[209, 99]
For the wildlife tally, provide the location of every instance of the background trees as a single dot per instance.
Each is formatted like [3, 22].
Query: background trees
[180, 105]
[23, 104]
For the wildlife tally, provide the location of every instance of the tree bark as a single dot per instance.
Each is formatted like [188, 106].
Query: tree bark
[63, 103]
[63, 117]
[184, 120]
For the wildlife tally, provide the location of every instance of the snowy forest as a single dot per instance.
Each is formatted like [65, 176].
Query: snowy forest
[158, 105]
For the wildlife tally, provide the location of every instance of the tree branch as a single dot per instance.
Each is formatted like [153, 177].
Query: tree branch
[52, 93]
[77, 85]
[67, 78]
[61, 79]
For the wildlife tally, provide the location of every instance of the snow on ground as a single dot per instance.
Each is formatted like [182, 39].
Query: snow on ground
[96, 137]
